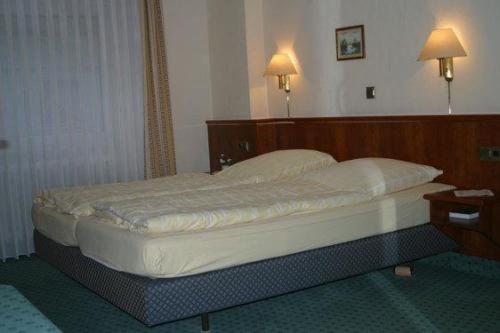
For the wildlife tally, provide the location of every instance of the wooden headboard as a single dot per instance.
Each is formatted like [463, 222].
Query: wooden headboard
[449, 142]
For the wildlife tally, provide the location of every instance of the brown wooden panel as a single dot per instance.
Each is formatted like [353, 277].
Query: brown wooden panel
[450, 143]
[225, 140]
[472, 242]
[479, 237]
[266, 134]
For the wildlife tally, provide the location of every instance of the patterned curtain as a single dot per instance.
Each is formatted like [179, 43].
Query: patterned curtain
[159, 150]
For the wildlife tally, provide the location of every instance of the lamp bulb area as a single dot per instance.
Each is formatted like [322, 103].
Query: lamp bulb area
[446, 68]
[448, 73]
[284, 82]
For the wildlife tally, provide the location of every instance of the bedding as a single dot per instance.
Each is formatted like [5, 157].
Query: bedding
[79, 201]
[279, 164]
[373, 176]
[205, 209]
[191, 252]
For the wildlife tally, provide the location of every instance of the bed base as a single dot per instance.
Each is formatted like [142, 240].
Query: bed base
[156, 301]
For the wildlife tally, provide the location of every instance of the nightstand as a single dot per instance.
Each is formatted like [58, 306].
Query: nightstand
[477, 237]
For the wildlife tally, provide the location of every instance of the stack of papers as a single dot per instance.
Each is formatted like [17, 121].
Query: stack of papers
[473, 193]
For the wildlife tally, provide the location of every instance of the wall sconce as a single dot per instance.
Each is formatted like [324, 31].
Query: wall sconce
[443, 44]
[281, 65]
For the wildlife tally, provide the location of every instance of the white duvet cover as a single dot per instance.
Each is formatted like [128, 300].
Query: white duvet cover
[205, 209]
[165, 255]
[79, 201]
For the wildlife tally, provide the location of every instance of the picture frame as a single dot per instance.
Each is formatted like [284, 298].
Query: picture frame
[350, 42]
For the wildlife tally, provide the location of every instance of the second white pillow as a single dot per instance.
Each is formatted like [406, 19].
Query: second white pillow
[279, 164]
[373, 176]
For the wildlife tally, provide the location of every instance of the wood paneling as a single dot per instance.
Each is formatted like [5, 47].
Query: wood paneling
[449, 142]
[478, 237]
[225, 139]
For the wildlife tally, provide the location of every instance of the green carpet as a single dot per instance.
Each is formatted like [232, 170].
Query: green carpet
[448, 293]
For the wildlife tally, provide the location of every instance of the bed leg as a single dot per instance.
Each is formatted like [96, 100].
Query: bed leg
[405, 270]
[205, 327]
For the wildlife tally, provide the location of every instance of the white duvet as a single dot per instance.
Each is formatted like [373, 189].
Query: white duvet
[79, 201]
[204, 209]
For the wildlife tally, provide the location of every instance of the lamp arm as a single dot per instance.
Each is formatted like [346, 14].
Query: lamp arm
[288, 103]
[449, 96]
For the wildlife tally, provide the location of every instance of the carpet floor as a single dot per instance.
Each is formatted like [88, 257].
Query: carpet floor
[448, 293]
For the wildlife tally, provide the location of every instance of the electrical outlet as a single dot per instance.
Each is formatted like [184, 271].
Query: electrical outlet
[244, 146]
[489, 153]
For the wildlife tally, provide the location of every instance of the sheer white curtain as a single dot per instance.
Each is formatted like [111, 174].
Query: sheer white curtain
[71, 102]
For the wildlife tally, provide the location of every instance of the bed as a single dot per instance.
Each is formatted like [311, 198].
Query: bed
[159, 277]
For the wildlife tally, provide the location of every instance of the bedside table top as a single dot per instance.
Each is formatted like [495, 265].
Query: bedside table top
[449, 196]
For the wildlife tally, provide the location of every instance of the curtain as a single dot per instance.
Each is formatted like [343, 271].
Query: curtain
[71, 102]
[159, 157]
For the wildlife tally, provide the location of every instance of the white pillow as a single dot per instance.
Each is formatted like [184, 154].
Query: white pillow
[374, 176]
[279, 164]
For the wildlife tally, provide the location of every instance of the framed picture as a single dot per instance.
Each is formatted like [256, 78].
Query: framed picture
[350, 42]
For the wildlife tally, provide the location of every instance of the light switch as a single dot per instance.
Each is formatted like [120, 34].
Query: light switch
[370, 92]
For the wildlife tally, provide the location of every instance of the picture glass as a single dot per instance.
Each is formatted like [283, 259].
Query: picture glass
[350, 43]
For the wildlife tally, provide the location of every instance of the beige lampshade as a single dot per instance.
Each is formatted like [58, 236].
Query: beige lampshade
[280, 64]
[442, 43]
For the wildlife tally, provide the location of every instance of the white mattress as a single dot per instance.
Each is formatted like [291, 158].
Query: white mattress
[54, 225]
[187, 253]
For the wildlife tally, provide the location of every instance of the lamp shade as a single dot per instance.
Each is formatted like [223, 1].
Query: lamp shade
[442, 43]
[280, 64]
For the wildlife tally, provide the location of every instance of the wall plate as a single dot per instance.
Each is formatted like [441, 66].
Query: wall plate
[489, 153]
[244, 146]
[370, 92]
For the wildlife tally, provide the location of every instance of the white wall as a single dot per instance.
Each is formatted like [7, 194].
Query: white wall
[395, 33]
[304, 30]
[254, 28]
[218, 50]
[190, 86]
[228, 59]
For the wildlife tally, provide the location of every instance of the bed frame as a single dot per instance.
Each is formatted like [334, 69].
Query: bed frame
[156, 301]
[450, 143]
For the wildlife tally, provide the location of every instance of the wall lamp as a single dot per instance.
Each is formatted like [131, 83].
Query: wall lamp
[443, 44]
[281, 66]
